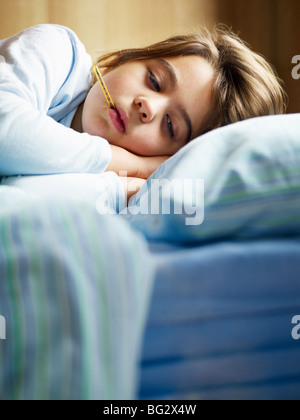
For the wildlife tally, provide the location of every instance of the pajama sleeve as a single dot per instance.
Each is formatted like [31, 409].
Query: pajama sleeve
[44, 77]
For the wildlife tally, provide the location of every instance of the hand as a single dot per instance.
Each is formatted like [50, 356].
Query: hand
[132, 165]
[148, 165]
[131, 186]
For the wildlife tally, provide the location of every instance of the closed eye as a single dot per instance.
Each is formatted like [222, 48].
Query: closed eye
[154, 81]
[170, 126]
[157, 87]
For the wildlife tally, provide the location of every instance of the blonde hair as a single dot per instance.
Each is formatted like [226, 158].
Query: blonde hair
[246, 85]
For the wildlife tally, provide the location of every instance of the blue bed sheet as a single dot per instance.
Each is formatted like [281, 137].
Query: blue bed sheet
[220, 323]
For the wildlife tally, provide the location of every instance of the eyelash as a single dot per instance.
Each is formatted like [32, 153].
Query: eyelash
[154, 81]
[158, 89]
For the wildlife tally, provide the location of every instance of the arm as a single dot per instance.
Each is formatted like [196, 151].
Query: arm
[36, 94]
[131, 186]
[133, 170]
[128, 164]
[35, 144]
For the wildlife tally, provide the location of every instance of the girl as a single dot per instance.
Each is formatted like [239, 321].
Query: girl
[55, 118]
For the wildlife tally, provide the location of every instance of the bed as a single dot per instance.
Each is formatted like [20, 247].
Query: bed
[219, 326]
[188, 293]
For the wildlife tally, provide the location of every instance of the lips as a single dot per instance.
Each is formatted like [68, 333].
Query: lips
[119, 119]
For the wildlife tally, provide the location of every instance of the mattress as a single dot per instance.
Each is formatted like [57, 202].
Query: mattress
[220, 322]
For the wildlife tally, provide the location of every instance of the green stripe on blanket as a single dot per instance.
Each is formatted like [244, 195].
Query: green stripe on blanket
[74, 291]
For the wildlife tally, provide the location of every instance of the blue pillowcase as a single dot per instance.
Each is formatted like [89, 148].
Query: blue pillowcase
[241, 181]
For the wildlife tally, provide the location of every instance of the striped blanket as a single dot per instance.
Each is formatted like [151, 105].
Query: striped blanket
[74, 292]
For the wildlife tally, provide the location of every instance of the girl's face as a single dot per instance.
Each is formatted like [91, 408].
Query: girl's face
[161, 105]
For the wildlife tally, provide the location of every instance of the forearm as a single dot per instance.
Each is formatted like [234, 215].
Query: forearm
[31, 143]
[122, 162]
[125, 163]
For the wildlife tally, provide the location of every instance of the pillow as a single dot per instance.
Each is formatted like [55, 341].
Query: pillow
[240, 181]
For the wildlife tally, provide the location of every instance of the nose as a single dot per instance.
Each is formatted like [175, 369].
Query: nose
[146, 109]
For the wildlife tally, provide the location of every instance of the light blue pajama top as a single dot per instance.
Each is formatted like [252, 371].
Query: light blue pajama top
[45, 74]
[44, 77]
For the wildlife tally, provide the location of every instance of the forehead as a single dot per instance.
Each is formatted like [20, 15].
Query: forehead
[194, 88]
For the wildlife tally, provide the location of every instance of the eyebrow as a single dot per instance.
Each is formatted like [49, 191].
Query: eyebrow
[174, 82]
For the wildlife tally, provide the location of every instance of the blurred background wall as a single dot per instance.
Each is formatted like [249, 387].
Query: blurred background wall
[270, 26]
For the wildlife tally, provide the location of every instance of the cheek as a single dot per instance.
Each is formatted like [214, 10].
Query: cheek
[121, 91]
[125, 81]
[147, 141]
[90, 103]
[93, 121]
